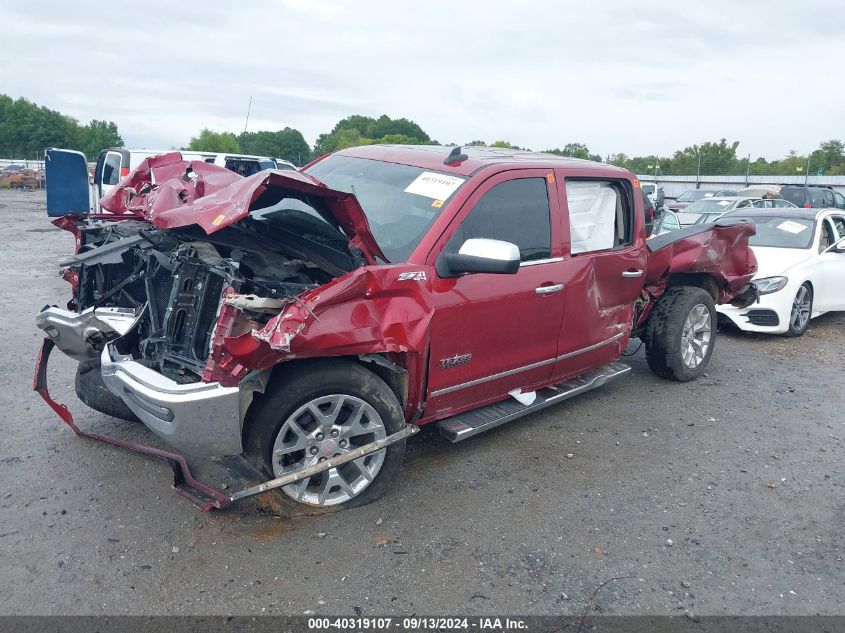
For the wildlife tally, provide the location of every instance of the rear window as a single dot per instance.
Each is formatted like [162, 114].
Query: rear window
[794, 195]
[600, 215]
[243, 167]
[709, 205]
[780, 231]
[648, 189]
[821, 198]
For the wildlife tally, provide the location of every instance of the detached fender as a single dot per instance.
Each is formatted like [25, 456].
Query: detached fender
[718, 250]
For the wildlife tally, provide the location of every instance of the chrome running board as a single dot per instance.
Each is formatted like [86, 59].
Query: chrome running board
[465, 425]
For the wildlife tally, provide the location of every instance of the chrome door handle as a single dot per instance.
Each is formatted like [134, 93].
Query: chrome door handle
[632, 273]
[547, 290]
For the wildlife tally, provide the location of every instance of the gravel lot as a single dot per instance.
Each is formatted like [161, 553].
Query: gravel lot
[723, 496]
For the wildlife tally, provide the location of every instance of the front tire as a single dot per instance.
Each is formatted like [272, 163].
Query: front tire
[315, 410]
[91, 390]
[802, 310]
[681, 333]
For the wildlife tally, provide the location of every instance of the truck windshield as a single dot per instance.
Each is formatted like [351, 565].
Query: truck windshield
[401, 202]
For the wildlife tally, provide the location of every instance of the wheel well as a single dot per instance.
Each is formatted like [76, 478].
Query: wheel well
[392, 373]
[698, 280]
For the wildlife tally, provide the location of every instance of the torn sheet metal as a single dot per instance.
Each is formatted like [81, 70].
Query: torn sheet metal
[202, 495]
[720, 251]
[363, 312]
[254, 303]
[170, 192]
[199, 493]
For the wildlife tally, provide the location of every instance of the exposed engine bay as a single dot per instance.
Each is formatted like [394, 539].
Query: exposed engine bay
[174, 281]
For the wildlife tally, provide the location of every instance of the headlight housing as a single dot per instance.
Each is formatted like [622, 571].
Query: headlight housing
[768, 285]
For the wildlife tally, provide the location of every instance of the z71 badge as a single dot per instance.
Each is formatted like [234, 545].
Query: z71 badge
[455, 361]
[413, 276]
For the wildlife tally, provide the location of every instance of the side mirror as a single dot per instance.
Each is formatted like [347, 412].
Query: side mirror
[480, 255]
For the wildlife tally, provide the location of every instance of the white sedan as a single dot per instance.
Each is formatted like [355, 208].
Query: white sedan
[801, 269]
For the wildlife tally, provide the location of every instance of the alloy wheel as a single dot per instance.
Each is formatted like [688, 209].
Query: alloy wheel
[323, 428]
[695, 336]
[801, 307]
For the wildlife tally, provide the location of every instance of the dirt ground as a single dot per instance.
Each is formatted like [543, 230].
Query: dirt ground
[722, 496]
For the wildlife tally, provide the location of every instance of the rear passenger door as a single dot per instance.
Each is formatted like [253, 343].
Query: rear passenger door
[605, 261]
[492, 333]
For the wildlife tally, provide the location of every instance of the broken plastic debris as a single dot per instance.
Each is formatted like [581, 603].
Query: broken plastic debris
[526, 399]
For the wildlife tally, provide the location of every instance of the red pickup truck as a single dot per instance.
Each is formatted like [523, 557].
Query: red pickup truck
[310, 322]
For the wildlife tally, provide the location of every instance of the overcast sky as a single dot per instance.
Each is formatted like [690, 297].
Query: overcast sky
[639, 78]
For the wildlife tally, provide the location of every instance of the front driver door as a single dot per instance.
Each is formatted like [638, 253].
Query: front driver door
[493, 333]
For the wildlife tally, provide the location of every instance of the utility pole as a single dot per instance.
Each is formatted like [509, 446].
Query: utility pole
[747, 168]
[807, 172]
[248, 109]
[698, 173]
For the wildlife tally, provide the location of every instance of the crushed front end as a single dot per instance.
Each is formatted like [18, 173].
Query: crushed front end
[186, 257]
[148, 314]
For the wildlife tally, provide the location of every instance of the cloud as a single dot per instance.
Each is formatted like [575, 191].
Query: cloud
[640, 80]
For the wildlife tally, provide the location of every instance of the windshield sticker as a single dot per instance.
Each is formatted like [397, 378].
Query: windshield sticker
[436, 186]
[792, 227]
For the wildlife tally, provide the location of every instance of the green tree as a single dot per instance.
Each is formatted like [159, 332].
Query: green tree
[288, 144]
[575, 150]
[27, 129]
[397, 139]
[716, 158]
[830, 156]
[211, 141]
[385, 126]
[97, 136]
[358, 129]
[503, 145]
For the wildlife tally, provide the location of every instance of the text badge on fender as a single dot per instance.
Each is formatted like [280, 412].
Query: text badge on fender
[412, 276]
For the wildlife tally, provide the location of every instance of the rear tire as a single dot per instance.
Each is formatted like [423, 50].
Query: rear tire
[315, 410]
[681, 333]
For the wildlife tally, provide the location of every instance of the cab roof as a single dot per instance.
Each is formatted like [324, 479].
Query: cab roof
[478, 157]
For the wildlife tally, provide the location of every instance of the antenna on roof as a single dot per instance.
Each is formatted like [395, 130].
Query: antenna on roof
[455, 156]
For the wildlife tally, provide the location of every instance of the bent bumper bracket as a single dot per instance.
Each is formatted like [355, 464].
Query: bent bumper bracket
[200, 494]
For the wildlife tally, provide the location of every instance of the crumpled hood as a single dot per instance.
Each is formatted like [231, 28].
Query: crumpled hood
[772, 262]
[171, 192]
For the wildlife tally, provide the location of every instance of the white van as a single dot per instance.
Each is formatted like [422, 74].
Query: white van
[655, 194]
[70, 189]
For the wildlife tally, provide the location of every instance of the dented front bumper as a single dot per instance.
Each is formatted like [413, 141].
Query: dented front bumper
[201, 494]
[198, 418]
